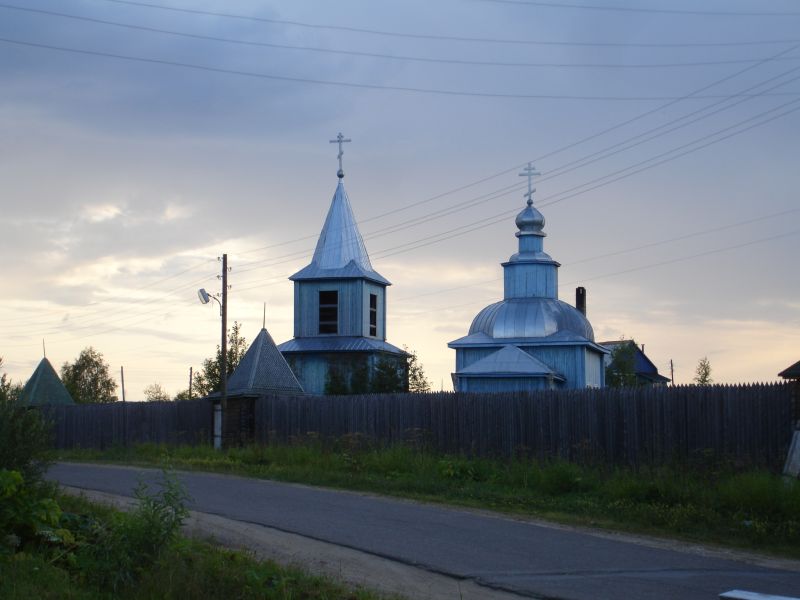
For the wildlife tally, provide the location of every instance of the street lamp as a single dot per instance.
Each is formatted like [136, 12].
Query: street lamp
[205, 298]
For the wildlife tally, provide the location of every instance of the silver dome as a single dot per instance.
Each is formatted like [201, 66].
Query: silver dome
[531, 318]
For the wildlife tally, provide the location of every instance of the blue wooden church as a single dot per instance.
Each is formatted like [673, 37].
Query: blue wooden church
[340, 310]
[529, 340]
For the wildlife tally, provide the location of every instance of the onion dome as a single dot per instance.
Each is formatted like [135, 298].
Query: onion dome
[530, 221]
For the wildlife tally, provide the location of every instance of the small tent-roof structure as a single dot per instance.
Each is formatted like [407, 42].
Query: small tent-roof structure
[792, 372]
[263, 370]
[44, 388]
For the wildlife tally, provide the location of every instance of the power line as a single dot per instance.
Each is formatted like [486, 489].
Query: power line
[394, 57]
[450, 38]
[639, 9]
[349, 84]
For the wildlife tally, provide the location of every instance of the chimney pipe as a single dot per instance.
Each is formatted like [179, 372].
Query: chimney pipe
[580, 299]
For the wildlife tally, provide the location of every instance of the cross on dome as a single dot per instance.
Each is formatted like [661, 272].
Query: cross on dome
[530, 172]
[340, 139]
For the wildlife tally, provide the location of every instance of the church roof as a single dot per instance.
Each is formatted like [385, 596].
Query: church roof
[509, 361]
[44, 387]
[263, 370]
[533, 317]
[340, 251]
[338, 344]
[792, 372]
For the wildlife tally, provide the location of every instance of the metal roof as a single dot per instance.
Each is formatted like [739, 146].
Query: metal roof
[534, 317]
[44, 387]
[338, 344]
[509, 361]
[792, 372]
[263, 369]
[340, 251]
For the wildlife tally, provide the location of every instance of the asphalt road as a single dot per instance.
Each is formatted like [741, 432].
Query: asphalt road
[502, 553]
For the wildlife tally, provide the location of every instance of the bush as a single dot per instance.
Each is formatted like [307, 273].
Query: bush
[25, 438]
[114, 555]
[26, 515]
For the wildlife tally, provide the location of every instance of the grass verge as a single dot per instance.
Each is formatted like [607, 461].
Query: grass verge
[752, 510]
[103, 544]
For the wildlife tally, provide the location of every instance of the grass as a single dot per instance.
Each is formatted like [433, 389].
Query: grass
[753, 510]
[184, 570]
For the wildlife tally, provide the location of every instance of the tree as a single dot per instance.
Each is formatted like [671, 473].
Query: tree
[417, 382]
[184, 395]
[9, 392]
[88, 380]
[620, 371]
[155, 393]
[209, 380]
[386, 377]
[702, 374]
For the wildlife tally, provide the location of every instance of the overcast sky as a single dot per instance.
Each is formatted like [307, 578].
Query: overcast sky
[141, 140]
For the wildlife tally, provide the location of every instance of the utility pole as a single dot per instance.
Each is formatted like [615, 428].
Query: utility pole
[223, 367]
[122, 381]
[671, 372]
[124, 408]
[190, 383]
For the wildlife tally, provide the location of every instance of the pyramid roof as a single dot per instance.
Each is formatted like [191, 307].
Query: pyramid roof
[263, 370]
[509, 361]
[340, 251]
[44, 387]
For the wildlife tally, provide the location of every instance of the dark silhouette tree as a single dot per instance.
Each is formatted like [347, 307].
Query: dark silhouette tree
[88, 379]
[702, 374]
[209, 380]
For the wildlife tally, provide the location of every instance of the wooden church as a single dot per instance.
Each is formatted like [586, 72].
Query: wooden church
[530, 339]
[339, 343]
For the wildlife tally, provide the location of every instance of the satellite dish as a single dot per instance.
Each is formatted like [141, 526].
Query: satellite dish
[203, 295]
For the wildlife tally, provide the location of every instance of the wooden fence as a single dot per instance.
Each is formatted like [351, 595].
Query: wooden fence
[744, 424]
[123, 423]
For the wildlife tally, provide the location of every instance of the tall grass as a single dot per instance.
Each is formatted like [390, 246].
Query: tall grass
[753, 509]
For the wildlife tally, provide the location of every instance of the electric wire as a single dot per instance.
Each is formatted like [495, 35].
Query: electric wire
[384, 56]
[640, 9]
[356, 85]
[451, 38]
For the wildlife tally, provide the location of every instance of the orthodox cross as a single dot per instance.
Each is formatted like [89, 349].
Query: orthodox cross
[530, 172]
[340, 140]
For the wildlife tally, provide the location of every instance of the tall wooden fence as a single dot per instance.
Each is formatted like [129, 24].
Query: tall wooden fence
[123, 423]
[746, 424]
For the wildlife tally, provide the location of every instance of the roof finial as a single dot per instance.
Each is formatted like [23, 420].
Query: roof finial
[530, 172]
[44, 350]
[340, 139]
[264, 322]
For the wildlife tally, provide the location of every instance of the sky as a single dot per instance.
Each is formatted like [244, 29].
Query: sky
[139, 141]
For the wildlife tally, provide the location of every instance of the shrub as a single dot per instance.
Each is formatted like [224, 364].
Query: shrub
[25, 514]
[131, 543]
[24, 440]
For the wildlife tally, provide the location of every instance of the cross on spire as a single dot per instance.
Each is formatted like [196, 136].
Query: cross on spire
[340, 139]
[530, 172]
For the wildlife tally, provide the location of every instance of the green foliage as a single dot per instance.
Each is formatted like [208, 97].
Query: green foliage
[88, 380]
[9, 392]
[184, 395]
[26, 513]
[335, 383]
[417, 381]
[114, 555]
[155, 393]
[702, 374]
[620, 372]
[386, 378]
[209, 379]
[25, 438]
